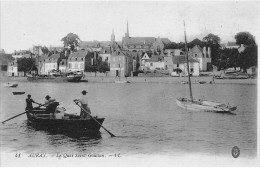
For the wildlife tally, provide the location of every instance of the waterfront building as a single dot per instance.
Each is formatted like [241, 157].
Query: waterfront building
[121, 63]
[12, 69]
[76, 60]
[177, 65]
[156, 62]
[203, 56]
[48, 63]
[173, 52]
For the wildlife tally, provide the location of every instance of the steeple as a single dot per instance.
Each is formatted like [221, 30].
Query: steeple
[127, 33]
[113, 36]
[113, 39]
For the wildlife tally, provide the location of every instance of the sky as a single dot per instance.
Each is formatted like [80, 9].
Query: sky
[24, 23]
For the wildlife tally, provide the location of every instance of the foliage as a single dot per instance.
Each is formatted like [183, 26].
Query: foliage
[103, 67]
[25, 64]
[212, 39]
[244, 38]
[248, 57]
[45, 50]
[70, 42]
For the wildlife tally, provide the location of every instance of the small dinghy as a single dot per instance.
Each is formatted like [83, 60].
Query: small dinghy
[18, 93]
[11, 85]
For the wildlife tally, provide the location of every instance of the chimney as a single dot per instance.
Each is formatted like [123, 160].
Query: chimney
[209, 52]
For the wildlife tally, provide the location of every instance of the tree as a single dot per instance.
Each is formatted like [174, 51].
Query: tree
[212, 39]
[45, 50]
[248, 57]
[245, 38]
[103, 67]
[194, 42]
[25, 64]
[70, 42]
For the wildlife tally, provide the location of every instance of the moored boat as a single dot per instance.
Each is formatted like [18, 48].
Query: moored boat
[203, 105]
[66, 77]
[11, 85]
[61, 122]
[122, 81]
[18, 93]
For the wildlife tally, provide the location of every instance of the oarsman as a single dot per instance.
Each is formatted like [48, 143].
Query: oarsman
[84, 104]
[29, 102]
[48, 100]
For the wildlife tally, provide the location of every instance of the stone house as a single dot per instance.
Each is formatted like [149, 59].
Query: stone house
[203, 56]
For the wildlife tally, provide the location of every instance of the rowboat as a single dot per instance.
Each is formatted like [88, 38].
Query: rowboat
[203, 105]
[18, 93]
[54, 119]
[11, 85]
[199, 104]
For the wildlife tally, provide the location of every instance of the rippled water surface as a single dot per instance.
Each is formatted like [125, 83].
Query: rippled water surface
[145, 116]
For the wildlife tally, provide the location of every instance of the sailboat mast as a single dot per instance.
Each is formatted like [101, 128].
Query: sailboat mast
[188, 67]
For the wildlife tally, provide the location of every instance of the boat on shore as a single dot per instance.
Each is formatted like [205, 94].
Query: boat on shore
[65, 77]
[54, 119]
[18, 93]
[199, 104]
[11, 85]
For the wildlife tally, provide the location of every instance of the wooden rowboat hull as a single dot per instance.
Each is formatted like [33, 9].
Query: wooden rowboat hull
[73, 126]
[206, 106]
[18, 93]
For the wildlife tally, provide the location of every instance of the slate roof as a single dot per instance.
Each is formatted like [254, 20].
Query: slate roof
[156, 58]
[181, 59]
[85, 44]
[80, 53]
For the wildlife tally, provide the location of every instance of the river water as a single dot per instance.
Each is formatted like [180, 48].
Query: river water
[144, 116]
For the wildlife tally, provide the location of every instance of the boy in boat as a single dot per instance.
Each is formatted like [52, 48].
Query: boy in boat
[29, 102]
[84, 104]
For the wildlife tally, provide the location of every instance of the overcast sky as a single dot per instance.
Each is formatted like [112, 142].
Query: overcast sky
[26, 23]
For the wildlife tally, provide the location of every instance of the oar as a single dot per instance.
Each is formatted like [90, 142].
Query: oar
[111, 134]
[23, 113]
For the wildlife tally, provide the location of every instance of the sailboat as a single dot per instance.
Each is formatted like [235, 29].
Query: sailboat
[201, 104]
[120, 81]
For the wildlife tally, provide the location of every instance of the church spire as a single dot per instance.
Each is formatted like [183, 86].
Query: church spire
[127, 33]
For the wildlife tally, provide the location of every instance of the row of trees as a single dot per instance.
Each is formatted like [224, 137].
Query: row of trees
[226, 58]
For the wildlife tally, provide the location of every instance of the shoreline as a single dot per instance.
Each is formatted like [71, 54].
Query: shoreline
[173, 80]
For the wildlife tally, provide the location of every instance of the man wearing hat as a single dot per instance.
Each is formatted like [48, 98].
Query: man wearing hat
[84, 104]
[29, 102]
[48, 100]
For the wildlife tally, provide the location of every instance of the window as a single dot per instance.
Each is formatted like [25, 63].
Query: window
[53, 65]
[114, 65]
[76, 66]
[177, 65]
[81, 59]
[151, 64]
[76, 59]
[114, 59]
[196, 55]
[69, 65]
[81, 65]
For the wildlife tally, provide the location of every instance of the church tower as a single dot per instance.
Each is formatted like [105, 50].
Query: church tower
[127, 33]
[113, 39]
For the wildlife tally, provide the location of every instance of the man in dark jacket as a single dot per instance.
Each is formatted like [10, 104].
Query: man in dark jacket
[29, 102]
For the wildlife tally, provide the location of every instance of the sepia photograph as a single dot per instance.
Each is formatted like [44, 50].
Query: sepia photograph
[129, 83]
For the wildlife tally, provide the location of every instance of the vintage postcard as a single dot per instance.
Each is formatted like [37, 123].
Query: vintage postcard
[129, 83]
